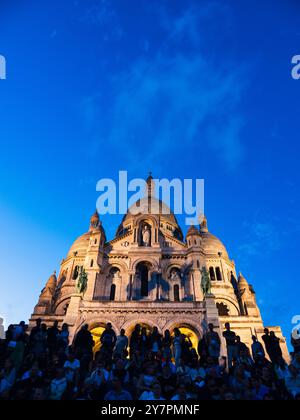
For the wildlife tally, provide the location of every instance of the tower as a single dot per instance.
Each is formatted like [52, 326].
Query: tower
[247, 297]
[44, 306]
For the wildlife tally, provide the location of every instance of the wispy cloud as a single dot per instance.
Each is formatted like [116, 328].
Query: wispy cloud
[178, 99]
[99, 12]
[102, 13]
[262, 237]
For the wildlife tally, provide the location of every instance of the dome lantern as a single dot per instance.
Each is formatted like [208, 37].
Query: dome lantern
[150, 189]
[95, 221]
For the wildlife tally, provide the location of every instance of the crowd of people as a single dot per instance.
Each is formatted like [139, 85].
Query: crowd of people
[43, 365]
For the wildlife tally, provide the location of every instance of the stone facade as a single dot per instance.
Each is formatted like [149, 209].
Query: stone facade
[150, 274]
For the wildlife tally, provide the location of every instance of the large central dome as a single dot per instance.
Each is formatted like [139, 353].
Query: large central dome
[150, 205]
[154, 207]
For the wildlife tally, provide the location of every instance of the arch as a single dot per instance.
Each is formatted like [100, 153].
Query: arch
[230, 303]
[62, 300]
[145, 270]
[101, 321]
[112, 296]
[170, 267]
[114, 271]
[130, 324]
[115, 264]
[113, 282]
[143, 324]
[219, 274]
[150, 260]
[184, 322]
[97, 332]
[148, 218]
[188, 328]
[212, 273]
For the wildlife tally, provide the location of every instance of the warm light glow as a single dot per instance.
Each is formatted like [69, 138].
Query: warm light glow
[191, 335]
[96, 333]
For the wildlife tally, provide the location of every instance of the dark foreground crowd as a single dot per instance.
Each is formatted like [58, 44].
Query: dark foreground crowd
[43, 365]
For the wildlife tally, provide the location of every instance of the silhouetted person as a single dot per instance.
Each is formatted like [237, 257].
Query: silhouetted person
[241, 347]
[167, 343]
[272, 344]
[258, 351]
[266, 339]
[38, 338]
[276, 352]
[155, 341]
[52, 337]
[108, 341]
[35, 330]
[144, 342]
[135, 340]
[177, 346]
[84, 342]
[213, 343]
[2, 330]
[19, 330]
[202, 350]
[230, 338]
[295, 341]
[121, 344]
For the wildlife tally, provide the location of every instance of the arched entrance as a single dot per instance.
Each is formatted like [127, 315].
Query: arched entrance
[190, 331]
[144, 286]
[144, 273]
[144, 325]
[190, 336]
[97, 330]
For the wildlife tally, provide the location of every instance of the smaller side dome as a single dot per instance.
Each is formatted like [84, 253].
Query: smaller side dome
[81, 245]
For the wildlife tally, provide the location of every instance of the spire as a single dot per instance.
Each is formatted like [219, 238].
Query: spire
[203, 223]
[50, 285]
[242, 281]
[95, 221]
[150, 186]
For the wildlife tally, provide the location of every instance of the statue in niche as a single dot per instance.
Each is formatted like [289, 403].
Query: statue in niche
[175, 275]
[115, 274]
[146, 236]
[205, 282]
[81, 284]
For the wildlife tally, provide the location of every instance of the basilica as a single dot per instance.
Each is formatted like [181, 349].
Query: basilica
[150, 274]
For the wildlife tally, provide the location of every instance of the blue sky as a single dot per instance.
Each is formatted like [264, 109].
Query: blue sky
[189, 89]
